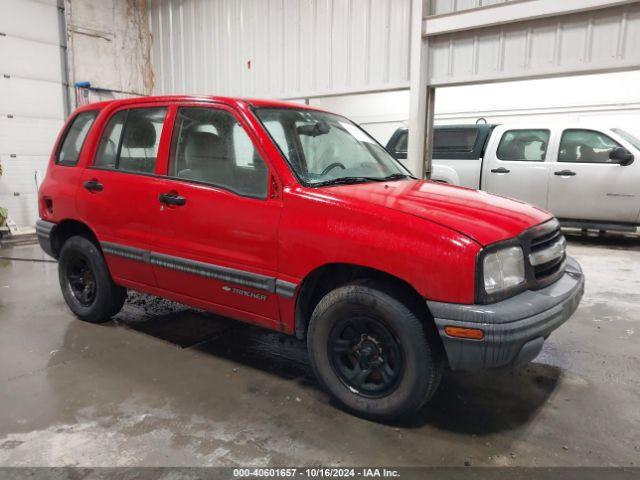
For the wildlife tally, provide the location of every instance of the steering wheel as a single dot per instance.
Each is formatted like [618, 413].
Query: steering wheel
[332, 166]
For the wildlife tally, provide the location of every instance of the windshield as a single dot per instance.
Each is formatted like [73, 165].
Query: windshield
[323, 148]
[628, 137]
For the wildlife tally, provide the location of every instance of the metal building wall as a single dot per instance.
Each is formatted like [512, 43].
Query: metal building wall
[441, 7]
[594, 41]
[512, 40]
[279, 48]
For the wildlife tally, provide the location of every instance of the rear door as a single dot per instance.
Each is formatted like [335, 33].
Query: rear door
[586, 185]
[117, 194]
[515, 164]
[215, 217]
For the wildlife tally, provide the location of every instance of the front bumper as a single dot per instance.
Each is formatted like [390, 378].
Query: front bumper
[514, 329]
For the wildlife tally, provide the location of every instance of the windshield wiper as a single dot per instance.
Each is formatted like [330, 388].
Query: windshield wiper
[395, 176]
[344, 181]
[352, 180]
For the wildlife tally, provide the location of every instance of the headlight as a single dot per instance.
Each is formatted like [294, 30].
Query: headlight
[502, 273]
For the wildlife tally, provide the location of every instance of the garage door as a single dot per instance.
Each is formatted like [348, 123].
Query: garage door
[31, 100]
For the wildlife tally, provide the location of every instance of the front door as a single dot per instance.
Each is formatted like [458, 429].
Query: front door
[117, 194]
[586, 185]
[515, 165]
[215, 222]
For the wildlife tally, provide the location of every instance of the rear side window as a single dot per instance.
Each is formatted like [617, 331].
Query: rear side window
[131, 139]
[524, 145]
[74, 138]
[455, 139]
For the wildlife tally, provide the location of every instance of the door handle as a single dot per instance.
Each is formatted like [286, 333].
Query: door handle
[565, 173]
[172, 198]
[93, 185]
[500, 170]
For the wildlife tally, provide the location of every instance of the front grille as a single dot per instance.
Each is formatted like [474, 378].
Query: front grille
[542, 241]
[545, 251]
[548, 268]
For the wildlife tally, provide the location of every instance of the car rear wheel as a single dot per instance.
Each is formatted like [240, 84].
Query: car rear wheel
[86, 284]
[371, 352]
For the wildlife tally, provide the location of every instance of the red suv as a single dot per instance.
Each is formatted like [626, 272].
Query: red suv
[295, 219]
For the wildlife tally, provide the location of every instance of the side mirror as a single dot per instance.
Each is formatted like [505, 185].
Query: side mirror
[621, 155]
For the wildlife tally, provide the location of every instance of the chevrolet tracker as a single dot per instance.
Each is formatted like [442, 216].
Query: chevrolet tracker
[296, 220]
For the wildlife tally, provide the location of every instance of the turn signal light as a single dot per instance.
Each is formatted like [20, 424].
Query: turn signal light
[461, 332]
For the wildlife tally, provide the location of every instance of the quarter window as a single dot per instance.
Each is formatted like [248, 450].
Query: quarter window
[210, 146]
[401, 145]
[586, 146]
[74, 138]
[524, 145]
[131, 139]
[455, 139]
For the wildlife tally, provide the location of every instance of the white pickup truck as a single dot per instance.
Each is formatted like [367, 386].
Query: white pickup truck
[588, 177]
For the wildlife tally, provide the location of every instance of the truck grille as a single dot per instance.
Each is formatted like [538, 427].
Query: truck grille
[545, 248]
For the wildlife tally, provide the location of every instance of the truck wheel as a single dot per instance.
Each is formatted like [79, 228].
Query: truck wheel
[371, 352]
[85, 281]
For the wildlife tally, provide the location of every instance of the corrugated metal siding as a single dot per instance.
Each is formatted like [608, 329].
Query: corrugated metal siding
[440, 7]
[279, 48]
[599, 40]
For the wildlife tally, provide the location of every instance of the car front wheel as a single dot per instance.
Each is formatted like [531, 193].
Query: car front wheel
[85, 281]
[371, 352]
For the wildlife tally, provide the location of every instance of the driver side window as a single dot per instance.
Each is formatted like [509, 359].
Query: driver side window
[586, 146]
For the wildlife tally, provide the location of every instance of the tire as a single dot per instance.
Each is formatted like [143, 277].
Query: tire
[416, 370]
[85, 281]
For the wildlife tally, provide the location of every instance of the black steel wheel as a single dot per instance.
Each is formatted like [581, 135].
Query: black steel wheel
[366, 356]
[85, 281]
[81, 280]
[372, 353]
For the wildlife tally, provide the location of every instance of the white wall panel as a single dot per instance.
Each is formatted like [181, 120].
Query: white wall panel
[30, 59]
[30, 19]
[598, 40]
[18, 177]
[28, 136]
[31, 100]
[18, 189]
[279, 48]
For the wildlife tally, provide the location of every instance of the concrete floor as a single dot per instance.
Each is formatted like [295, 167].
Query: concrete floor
[128, 393]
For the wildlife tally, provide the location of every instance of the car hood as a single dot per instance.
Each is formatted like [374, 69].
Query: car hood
[484, 217]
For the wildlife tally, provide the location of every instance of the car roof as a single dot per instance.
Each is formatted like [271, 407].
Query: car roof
[453, 125]
[593, 125]
[231, 101]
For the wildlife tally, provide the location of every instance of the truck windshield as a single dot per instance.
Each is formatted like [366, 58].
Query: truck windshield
[326, 149]
[628, 137]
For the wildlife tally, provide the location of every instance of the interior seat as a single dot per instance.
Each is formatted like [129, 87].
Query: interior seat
[206, 160]
[139, 136]
[587, 154]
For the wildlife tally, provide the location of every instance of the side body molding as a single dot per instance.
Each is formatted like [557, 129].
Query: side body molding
[208, 270]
